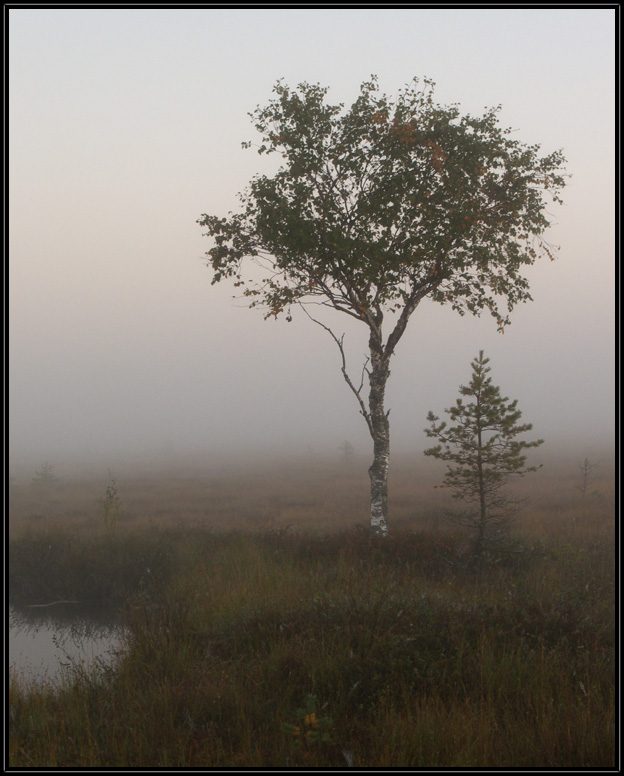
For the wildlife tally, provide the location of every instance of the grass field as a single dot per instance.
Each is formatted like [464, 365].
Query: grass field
[270, 630]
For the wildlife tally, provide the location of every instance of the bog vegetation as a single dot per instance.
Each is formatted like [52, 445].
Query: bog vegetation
[252, 643]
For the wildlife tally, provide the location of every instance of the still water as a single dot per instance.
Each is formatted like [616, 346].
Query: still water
[49, 647]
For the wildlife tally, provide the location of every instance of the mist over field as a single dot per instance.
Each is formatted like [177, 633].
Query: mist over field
[126, 125]
[191, 481]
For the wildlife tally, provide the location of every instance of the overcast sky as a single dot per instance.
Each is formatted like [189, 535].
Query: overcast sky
[126, 125]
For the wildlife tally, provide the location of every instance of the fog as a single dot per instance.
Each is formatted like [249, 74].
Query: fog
[126, 125]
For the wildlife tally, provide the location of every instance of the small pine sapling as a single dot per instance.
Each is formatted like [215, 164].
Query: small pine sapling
[483, 454]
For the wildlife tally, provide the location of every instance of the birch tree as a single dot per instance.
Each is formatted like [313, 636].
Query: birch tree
[377, 207]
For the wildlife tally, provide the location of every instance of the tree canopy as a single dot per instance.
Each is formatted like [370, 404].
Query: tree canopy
[386, 203]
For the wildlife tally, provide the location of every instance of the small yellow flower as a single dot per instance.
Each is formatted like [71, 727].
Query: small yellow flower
[296, 730]
[310, 720]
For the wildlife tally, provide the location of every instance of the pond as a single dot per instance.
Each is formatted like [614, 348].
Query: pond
[47, 647]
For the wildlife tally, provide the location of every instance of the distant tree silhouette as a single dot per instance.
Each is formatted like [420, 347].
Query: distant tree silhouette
[586, 472]
[348, 451]
[45, 476]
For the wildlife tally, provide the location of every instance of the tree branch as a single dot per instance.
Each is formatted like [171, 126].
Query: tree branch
[411, 304]
[343, 369]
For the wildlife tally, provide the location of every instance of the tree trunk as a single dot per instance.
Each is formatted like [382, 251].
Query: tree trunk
[478, 548]
[482, 500]
[380, 432]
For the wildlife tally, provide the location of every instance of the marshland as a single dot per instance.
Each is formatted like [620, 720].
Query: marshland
[230, 609]
[263, 626]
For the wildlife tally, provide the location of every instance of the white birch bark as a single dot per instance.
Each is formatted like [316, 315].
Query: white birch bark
[380, 431]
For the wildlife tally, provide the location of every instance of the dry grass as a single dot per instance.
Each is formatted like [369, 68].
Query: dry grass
[251, 645]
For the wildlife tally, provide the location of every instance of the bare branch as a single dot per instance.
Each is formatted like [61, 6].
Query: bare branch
[356, 391]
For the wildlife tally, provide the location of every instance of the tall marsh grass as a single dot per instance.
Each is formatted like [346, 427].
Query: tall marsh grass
[259, 646]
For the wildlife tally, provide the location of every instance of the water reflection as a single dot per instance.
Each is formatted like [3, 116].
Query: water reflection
[50, 646]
